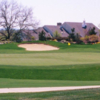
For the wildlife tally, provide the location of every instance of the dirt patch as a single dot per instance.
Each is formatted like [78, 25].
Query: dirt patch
[37, 47]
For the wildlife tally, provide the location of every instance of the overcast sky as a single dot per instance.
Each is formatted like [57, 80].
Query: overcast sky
[49, 12]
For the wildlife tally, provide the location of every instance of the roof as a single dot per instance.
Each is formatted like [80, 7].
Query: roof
[30, 33]
[79, 29]
[53, 29]
[40, 29]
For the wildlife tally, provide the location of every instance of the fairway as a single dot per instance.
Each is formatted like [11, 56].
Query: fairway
[75, 65]
[49, 59]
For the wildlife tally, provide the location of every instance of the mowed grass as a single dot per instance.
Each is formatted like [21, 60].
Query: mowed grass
[12, 48]
[73, 72]
[17, 83]
[69, 66]
[49, 59]
[86, 94]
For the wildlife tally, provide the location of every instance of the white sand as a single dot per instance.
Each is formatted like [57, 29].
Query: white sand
[37, 47]
[43, 89]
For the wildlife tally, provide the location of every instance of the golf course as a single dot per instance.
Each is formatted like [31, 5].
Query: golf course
[74, 65]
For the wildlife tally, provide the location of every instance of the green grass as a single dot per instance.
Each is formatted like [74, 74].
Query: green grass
[71, 65]
[49, 59]
[87, 94]
[87, 73]
[13, 48]
[12, 83]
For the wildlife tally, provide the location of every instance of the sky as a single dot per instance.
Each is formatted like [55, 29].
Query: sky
[50, 12]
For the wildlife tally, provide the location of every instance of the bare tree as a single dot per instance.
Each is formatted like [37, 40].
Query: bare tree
[14, 16]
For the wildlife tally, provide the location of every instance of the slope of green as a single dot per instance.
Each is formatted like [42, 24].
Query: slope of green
[13, 48]
[80, 74]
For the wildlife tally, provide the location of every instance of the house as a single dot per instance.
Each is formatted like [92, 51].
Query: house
[80, 28]
[65, 29]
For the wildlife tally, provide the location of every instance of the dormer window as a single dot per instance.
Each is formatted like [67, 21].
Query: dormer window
[61, 28]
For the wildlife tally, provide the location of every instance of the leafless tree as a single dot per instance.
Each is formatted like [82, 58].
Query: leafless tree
[13, 15]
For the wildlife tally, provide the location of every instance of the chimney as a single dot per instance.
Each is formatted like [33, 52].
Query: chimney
[59, 24]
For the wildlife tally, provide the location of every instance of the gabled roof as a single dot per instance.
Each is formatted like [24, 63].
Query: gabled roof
[79, 29]
[40, 29]
[52, 29]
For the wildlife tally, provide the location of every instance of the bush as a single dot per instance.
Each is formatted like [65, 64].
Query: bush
[60, 38]
[56, 34]
[72, 35]
[85, 39]
[63, 41]
[90, 39]
[17, 37]
[32, 38]
[93, 38]
[2, 38]
[77, 38]
[92, 31]
[42, 36]
[48, 38]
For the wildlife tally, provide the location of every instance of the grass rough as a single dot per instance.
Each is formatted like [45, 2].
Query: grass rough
[86, 94]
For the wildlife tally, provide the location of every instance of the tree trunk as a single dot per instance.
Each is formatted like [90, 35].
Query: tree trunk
[8, 36]
[8, 32]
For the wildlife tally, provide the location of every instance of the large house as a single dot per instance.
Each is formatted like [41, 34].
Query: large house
[65, 29]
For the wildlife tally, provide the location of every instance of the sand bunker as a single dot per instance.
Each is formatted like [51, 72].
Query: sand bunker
[37, 47]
